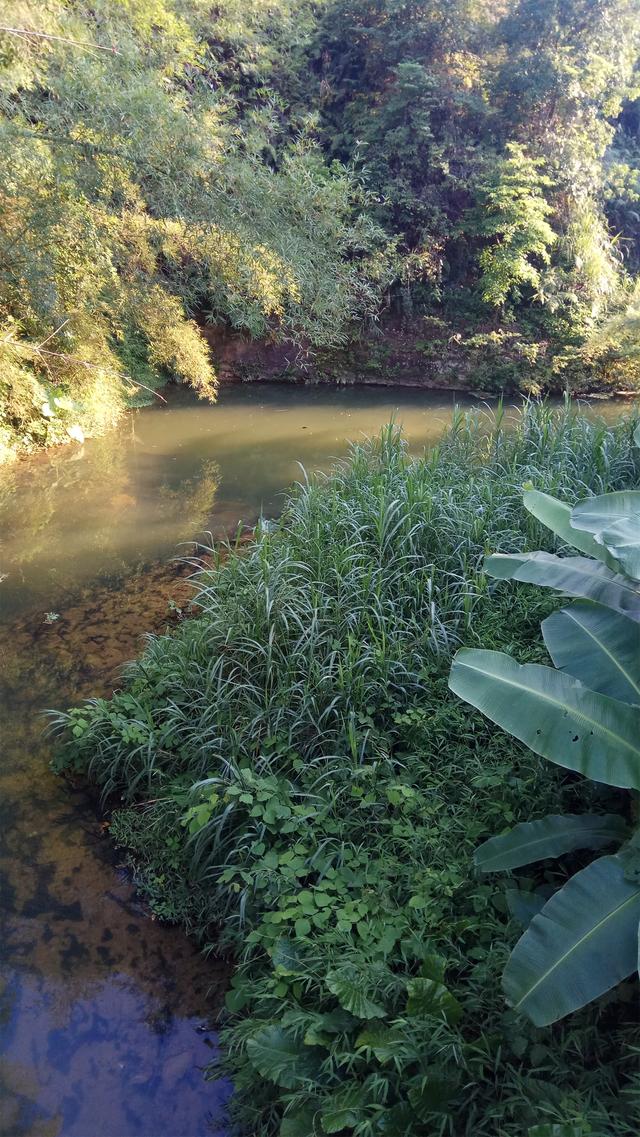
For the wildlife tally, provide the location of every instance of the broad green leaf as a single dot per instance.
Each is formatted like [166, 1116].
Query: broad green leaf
[582, 943]
[523, 906]
[554, 714]
[299, 1123]
[286, 956]
[280, 1058]
[335, 1120]
[237, 997]
[578, 576]
[350, 988]
[396, 1120]
[345, 1108]
[428, 997]
[548, 837]
[504, 566]
[337, 1022]
[433, 967]
[322, 1026]
[556, 515]
[622, 540]
[599, 647]
[636, 435]
[383, 1041]
[597, 513]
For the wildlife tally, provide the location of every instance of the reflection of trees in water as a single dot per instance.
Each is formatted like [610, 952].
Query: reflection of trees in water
[66, 518]
[139, 522]
[30, 490]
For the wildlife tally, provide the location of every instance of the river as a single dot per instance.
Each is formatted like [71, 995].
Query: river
[106, 1014]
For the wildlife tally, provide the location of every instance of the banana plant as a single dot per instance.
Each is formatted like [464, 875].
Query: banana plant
[584, 715]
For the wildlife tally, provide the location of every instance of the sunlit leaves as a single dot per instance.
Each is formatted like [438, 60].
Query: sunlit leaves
[513, 210]
[130, 203]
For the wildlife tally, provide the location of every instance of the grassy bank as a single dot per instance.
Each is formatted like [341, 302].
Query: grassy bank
[299, 789]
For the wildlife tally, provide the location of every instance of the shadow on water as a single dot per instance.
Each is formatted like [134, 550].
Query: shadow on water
[104, 1012]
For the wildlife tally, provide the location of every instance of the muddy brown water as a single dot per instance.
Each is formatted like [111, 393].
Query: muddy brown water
[106, 1015]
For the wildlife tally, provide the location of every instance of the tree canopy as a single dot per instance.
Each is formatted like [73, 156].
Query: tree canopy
[292, 169]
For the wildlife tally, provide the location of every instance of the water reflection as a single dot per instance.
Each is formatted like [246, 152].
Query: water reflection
[96, 1084]
[170, 473]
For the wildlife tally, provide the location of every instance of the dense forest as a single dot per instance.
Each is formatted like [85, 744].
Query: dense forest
[323, 173]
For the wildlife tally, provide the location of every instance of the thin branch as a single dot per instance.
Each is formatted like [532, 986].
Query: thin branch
[144, 386]
[38, 350]
[24, 32]
[97, 367]
[51, 336]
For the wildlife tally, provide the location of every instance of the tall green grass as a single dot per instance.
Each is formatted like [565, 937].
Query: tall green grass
[299, 788]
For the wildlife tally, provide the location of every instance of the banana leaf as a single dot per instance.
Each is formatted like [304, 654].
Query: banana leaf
[548, 837]
[577, 576]
[597, 513]
[556, 516]
[582, 943]
[622, 541]
[554, 714]
[598, 646]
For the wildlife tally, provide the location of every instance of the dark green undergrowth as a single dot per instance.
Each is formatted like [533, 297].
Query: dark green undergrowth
[299, 788]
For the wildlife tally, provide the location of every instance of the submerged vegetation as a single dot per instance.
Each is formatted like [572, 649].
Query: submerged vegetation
[296, 784]
[467, 172]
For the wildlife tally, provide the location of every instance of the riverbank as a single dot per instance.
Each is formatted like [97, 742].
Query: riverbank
[424, 353]
[305, 770]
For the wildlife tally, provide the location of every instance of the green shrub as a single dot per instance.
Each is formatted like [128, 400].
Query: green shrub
[299, 788]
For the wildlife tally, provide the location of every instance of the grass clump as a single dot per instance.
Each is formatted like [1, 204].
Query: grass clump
[299, 788]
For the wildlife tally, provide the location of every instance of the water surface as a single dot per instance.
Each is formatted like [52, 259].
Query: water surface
[104, 1013]
[78, 514]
